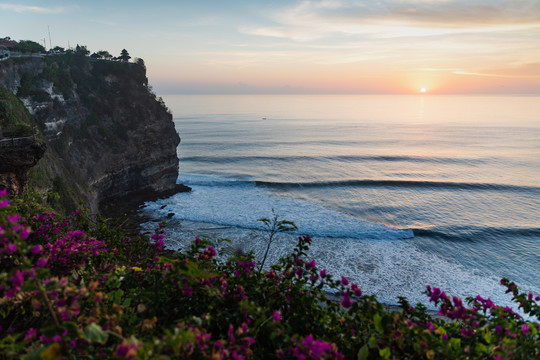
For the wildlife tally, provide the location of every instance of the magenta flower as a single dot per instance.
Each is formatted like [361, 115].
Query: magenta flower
[25, 232]
[323, 273]
[41, 262]
[11, 248]
[356, 289]
[344, 280]
[3, 192]
[346, 301]
[311, 348]
[310, 264]
[525, 328]
[13, 219]
[36, 249]
[17, 280]
[276, 316]
[30, 335]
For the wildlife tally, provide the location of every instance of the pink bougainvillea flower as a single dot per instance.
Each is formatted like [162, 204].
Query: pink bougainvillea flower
[276, 316]
[11, 248]
[25, 232]
[356, 289]
[346, 301]
[30, 335]
[36, 249]
[13, 219]
[17, 279]
[41, 262]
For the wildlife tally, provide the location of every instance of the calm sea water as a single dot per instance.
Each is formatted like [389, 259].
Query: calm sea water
[397, 191]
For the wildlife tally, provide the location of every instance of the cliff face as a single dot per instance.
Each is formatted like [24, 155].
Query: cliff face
[20, 150]
[108, 136]
[16, 159]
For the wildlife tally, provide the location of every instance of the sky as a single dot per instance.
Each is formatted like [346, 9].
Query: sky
[289, 46]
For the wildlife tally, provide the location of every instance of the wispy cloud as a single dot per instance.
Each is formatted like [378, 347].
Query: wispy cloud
[525, 71]
[311, 20]
[33, 9]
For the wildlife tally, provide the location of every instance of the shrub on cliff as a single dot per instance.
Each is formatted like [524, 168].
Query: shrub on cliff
[14, 119]
[28, 46]
[71, 291]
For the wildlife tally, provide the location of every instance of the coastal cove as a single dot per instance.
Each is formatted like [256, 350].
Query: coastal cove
[398, 192]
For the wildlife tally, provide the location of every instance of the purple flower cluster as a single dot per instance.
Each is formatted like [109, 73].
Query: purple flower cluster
[158, 238]
[244, 267]
[311, 348]
[207, 254]
[72, 250]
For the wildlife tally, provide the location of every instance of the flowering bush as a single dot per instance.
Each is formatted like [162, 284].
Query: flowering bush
[71, 291]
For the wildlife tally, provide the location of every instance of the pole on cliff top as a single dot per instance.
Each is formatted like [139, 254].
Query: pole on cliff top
[50, 42]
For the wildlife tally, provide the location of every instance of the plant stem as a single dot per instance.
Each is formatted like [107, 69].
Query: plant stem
[49, 306]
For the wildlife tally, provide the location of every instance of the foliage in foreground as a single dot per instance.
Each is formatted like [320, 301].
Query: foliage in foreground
[68, 291]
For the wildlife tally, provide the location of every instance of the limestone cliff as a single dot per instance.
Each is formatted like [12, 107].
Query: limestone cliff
[17, 157]
[107, 134]
[20, 149]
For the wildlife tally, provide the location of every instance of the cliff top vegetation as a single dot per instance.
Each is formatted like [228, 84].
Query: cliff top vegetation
[14, 118]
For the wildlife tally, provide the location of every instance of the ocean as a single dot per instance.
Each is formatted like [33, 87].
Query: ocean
[398, 192]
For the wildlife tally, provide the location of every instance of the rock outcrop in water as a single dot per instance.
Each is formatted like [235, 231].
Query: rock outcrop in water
[108, 137]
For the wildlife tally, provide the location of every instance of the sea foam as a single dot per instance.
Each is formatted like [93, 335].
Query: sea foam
[377, 257]
[241, 204]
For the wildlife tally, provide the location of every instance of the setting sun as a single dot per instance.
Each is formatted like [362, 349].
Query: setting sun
[423, 90]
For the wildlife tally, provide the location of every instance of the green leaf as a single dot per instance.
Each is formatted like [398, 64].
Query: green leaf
[455, 343]
[71, 327]
[481, 348]
[372, 342]
[118, 296]
[363, 353]
[51, 352]
[385, 353]
[487, 336]
[34, 355]
[377, 322]
[94, 333]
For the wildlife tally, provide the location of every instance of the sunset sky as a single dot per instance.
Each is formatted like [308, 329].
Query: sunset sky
[286, 46]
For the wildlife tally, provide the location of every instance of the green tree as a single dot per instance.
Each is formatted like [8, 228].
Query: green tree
[140, 62]
[124, 55]
[105, 54]
[81, 50]
[29, 46]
